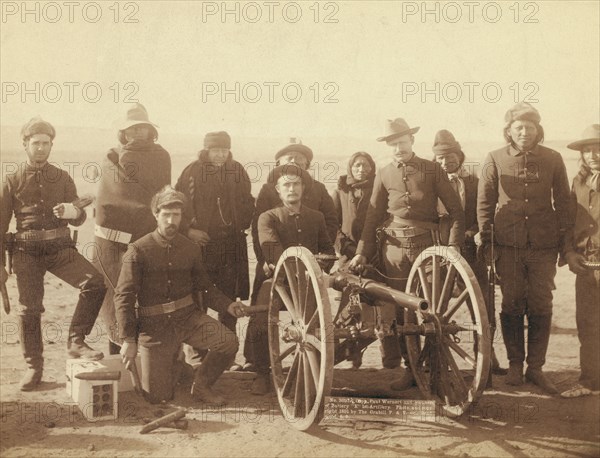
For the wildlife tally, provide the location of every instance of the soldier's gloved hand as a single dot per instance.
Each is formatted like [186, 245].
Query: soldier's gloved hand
[198, 236]
[357, 264]
[128, 352]
[66, 211]
[575, 261]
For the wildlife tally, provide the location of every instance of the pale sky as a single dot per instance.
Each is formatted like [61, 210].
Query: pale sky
[372, 63]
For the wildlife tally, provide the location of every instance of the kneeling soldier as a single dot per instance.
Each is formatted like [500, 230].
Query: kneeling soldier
[163, 272]
[42, 198]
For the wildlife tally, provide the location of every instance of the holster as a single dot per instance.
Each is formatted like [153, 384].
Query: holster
[9, 246]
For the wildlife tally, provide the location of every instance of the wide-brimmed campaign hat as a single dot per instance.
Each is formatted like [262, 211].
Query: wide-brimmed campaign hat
[134, 116]
[396, 128]
[590, 136]
[445, 143]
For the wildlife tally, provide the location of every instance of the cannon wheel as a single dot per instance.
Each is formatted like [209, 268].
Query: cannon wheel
[449, 368]
[300, 337]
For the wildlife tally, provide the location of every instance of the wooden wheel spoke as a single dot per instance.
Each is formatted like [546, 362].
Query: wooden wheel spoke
[424, 283]
[435, 283]
[452, 310]
[286, 353]
[302, 287]
[424, 352]
[313, 342]
[287, 301]
[447, 289]
[462, 353]
[292, 278]
[314, 319]
[455, 371]
[309, 385]
[299, 391]
[291, 376]
[313, 362]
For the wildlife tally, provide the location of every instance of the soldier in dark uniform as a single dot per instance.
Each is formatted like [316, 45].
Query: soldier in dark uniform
[41, 197]
[315, 197]
[450, 156]
[404, 203]
[292, 224]
[583, 244]
[524, 192]
[163, 272]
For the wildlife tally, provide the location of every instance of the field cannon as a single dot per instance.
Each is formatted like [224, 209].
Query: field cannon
[445, 328]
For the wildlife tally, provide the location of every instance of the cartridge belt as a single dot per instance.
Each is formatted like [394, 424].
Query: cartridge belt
[42, 235]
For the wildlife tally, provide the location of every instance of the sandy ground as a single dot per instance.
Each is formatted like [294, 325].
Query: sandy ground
[506, 421]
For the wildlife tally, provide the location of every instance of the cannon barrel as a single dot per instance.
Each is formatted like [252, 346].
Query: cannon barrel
[380, 291]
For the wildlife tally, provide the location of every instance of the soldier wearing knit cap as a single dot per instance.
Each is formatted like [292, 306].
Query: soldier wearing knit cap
[448, 153]
[43, 199]
[582, 253]
[524, 193]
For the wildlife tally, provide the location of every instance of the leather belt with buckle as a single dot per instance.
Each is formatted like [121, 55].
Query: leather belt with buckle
[169, 307]
[41, 235]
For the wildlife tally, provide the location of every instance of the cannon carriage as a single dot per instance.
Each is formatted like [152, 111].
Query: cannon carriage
[445, 328]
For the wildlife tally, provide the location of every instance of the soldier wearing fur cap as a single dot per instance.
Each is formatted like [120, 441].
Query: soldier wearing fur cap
[524, 193]
[219, 210]
[582, 253]
[43, 199]
[160, 299]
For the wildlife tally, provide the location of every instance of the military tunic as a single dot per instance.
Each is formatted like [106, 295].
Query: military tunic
[158, 271]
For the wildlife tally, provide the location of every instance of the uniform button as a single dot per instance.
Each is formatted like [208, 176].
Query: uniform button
[169, 315]
[526, 200]
[525, 184]
[299, 230]
[527, 217]
[408, 206]
[591, 207]
[591, 225]
[170, 264]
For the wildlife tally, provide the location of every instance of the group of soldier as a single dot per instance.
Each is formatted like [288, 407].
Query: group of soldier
[165, 254]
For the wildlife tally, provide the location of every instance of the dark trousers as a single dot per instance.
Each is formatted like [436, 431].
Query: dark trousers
[526, 280]
[72, 268]
[160, 340]
[587, 300]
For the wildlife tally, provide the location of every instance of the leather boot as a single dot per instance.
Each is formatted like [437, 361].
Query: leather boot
[207, 374]
[513, 331]
[537, 344]
[82, 323]
[32, 346]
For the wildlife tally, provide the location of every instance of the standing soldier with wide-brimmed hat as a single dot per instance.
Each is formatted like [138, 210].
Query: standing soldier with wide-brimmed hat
[524, 193]
[131, 174]
[44, 201]
[582, 252]
[403, 209]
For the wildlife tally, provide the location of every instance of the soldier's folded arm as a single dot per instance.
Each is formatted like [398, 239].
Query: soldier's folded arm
[376, 213]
